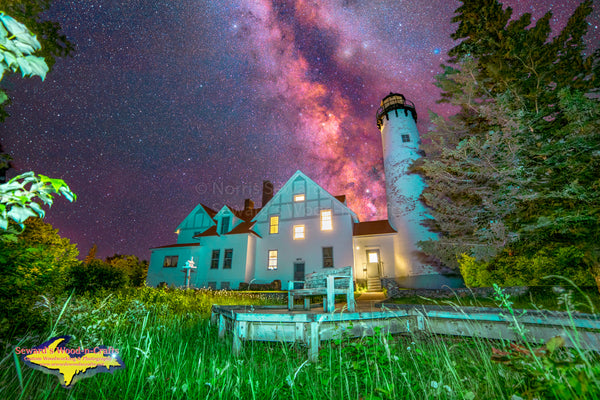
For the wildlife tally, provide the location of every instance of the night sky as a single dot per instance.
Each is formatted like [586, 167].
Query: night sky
[166, 104]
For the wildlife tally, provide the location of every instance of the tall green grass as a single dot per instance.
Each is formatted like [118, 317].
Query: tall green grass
[171, 352]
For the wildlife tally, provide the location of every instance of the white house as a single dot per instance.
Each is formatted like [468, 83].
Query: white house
[302, 228]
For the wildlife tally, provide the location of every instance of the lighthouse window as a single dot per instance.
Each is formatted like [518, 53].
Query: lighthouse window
[405, 138]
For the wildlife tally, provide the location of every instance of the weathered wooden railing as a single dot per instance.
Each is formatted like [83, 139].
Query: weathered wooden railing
[272, 323]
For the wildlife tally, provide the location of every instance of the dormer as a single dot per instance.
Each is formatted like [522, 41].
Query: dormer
[226, 220]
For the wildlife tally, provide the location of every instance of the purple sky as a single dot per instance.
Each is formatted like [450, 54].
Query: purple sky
[166, 104]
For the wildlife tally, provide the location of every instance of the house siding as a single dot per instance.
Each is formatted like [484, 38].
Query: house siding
[172, 276]
[309, 249]
[235, 275]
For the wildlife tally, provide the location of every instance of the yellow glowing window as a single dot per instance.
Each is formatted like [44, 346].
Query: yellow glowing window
[299, 197]
[272, 259]
[298, 232]
[326, 224]
[373, 257]
[274, 224]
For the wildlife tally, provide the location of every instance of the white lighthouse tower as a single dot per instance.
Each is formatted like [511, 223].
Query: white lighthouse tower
[396, 118]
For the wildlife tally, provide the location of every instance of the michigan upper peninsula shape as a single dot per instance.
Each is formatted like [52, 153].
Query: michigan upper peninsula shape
[71, 365]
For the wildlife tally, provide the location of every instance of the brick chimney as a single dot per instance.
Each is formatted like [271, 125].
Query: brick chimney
[267, 192]
[248, 205]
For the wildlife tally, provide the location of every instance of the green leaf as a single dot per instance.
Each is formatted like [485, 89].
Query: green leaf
[65, 191]
[56, 183]
[20, 214]
[20, 31]
[37, 66]
[37, 208]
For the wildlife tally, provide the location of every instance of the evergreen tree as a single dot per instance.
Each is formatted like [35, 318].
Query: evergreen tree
[522, 109]
[91, 254]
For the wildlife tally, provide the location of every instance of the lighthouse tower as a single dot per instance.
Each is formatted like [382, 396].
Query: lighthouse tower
[396, 118]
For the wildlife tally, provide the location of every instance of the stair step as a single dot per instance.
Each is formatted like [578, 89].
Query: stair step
[373, 284]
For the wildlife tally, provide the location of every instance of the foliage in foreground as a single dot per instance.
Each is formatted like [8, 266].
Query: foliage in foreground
[39, 35]
[513, 176]
[36, 263]
[170, 351]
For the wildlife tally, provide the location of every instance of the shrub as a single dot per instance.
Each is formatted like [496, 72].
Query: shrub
[96, 275]
[515, 270]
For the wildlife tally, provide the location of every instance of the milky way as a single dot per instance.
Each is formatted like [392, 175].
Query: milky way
[169, 103]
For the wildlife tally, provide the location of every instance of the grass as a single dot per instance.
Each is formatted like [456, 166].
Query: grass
[171, 352]
[545, 298]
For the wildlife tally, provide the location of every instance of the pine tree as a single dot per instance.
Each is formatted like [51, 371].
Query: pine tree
[522, 109]
[91, 254]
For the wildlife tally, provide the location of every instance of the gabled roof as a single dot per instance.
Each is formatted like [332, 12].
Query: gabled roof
[372, 228]
[212, 231]
[244, 227]
[176, 245]
[200, 208]
[211, 213]
[291, 181]
[224, 210]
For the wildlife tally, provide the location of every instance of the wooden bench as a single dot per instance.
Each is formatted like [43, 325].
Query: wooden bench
[329, 283]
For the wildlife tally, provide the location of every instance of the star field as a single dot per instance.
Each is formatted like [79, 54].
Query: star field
[166, 104]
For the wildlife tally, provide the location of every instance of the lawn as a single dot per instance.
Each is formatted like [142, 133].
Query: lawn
[172, 352]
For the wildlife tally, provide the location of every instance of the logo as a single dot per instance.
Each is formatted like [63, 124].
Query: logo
[70, 365]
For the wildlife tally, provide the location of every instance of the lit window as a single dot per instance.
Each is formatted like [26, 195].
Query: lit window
[327, 257]
[405, 138]
[227, 259]
[214, 261]
[299, 197]
[298, 232]
[170, 261]
[274, 227]
[326, 224]
[225, 225]
[272, 259]
[373, 256]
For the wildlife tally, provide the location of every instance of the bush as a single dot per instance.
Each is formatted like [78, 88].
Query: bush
[508, 269]
[35, 263]
[96, 275]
